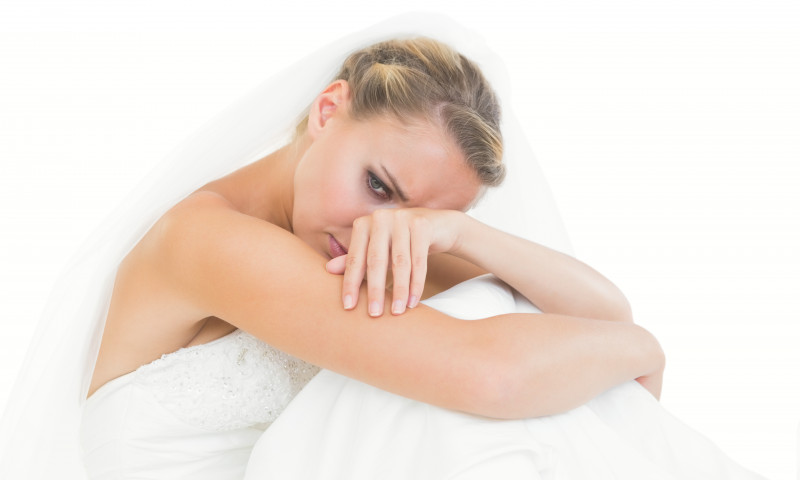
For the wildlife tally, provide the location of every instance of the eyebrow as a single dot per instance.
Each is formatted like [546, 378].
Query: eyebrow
[395, 185]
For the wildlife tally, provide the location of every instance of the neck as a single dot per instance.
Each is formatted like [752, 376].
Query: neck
[265, 188]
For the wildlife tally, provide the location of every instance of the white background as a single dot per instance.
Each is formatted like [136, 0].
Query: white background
[669, 132]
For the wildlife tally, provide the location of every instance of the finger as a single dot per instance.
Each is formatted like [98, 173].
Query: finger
[336, 265]
[420, 247]
[355, 262]
[401, 264]
[378, 260]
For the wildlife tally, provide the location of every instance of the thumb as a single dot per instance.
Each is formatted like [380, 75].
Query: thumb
[336, 266]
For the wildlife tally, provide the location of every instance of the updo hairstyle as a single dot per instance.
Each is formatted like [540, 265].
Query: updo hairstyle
[421, 76]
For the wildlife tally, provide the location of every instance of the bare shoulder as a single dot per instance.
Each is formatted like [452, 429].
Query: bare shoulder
[200, 199]
[146, 319]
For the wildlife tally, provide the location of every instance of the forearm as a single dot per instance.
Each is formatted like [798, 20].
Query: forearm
[516, 365]
[553, 281]
[550, 363]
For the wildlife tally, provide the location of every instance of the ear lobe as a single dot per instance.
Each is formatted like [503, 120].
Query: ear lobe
[331, 103]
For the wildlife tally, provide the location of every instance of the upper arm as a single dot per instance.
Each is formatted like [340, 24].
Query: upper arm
[266, 281]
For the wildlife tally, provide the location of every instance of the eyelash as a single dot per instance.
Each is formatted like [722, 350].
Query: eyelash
[381, 190]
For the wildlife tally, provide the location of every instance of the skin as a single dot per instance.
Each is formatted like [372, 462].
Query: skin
[254, 250]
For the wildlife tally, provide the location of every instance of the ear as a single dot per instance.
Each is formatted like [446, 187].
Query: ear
[331, 103]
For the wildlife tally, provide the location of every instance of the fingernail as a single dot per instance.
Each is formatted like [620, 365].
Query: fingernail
[374, 309]
[398, 307]
[412, 301]
[348, 302]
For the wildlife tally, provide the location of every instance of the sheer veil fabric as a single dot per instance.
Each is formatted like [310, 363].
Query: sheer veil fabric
[39, 430]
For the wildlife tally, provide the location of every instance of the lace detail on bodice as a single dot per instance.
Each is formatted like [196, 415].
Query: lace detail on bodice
[234, 382]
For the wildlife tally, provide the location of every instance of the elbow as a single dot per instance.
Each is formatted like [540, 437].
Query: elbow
[617, 307]
[611, 304]
[624, 312]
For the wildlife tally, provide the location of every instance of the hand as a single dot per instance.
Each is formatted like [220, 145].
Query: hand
[405, 237]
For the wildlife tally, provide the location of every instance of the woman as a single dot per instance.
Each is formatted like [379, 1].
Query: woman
[208, 266]
[392, 153]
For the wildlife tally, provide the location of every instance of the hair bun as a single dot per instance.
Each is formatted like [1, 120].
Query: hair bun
[424, 77]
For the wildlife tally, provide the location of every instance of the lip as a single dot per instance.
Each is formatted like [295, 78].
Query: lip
[337, 249]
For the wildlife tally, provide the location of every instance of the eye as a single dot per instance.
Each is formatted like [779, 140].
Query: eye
[377, 187]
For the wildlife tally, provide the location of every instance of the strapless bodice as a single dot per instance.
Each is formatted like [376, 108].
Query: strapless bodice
[196, 411]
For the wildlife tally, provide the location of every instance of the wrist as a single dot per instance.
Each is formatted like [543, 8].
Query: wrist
[463, 227]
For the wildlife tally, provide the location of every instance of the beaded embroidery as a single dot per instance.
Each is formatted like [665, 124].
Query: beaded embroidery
[237, 381]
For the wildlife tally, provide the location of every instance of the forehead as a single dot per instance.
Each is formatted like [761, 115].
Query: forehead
[426, 162]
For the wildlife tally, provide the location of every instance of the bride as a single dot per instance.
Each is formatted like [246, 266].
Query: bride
[219, 308]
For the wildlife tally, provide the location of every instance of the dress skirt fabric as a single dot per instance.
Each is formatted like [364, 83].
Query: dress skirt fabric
[339, 428]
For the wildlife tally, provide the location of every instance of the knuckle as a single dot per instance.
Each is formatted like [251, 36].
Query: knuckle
[416, 287]
[382, 215]
[376, 294]
[399, 292]
[351, 286]
[352, 262]
[399, 260]
[418, 222]
[376, 259]
[403, 214]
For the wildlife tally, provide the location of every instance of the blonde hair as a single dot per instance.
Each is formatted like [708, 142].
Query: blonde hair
[421, 76]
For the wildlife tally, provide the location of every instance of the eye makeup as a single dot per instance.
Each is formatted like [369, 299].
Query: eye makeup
[377, 187]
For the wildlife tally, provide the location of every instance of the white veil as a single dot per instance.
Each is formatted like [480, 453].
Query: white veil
[39, 431]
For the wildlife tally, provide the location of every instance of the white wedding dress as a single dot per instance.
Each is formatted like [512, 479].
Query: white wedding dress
[197, 413]
[194, 413]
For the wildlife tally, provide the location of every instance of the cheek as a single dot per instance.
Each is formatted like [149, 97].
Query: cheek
[343, 202]
[331, 189]
[332, 198]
